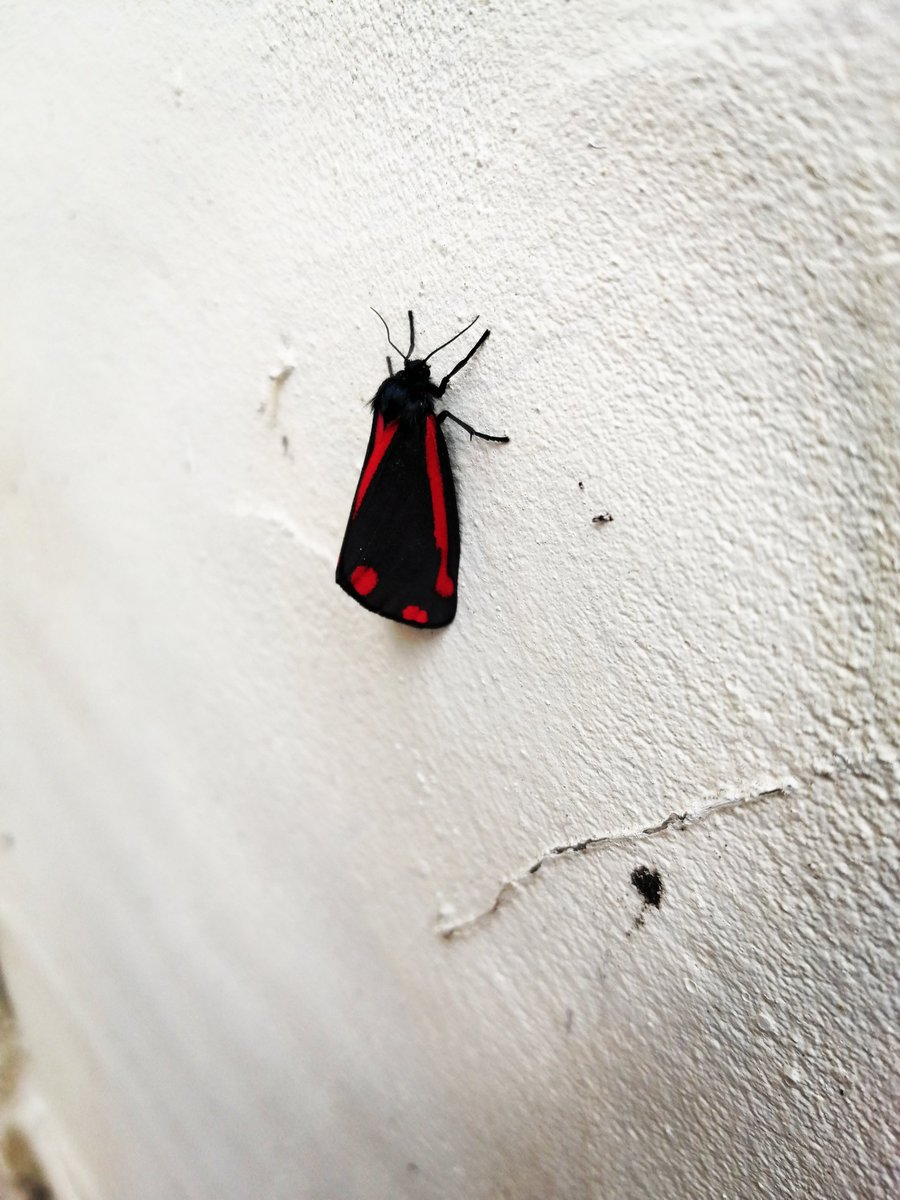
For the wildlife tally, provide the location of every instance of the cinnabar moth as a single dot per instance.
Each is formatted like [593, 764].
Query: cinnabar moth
[400, 556]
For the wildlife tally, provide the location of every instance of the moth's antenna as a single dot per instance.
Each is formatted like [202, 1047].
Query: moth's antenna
[412, 337]
[388, 332]
[453, 339]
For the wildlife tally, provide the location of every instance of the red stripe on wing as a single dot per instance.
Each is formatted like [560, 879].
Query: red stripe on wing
[443, 584]
[383, 436]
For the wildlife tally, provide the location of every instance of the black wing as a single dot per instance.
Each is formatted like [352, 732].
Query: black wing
[400, 555]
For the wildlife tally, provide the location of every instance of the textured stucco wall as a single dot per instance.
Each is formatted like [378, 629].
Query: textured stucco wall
[239, 815]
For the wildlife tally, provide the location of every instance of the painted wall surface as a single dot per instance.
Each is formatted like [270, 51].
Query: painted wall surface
[299, 903]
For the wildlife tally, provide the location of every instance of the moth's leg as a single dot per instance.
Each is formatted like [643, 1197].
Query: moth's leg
[446, 415]
[390, 365]
[442, 386]
[412, 336]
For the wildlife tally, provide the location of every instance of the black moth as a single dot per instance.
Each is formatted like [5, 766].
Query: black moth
[400, 556]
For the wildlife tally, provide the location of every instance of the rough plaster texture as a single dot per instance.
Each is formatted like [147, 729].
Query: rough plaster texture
[241, 816]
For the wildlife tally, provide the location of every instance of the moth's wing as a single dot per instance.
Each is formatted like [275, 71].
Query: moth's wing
[400, 555]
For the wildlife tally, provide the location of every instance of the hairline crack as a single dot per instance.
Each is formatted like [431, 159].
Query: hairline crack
[672, 821]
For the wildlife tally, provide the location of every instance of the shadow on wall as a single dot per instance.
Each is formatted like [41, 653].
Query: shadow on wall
[21, 1174]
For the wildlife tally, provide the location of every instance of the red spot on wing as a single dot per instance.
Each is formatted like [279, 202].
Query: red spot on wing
[363, 579]
[383, 435]
[412, 613]
[443, 585]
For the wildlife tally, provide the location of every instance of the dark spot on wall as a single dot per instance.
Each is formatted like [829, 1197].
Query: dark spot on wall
[649, 884]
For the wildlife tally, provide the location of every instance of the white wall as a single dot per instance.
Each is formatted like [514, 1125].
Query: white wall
[239, 812]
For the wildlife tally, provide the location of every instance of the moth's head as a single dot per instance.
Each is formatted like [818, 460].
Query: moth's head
[417, 370]
[408, 395]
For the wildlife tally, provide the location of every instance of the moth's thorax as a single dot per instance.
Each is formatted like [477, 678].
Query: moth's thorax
[407, 396]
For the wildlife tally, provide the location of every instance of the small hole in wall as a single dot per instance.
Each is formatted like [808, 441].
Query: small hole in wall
[649, 884]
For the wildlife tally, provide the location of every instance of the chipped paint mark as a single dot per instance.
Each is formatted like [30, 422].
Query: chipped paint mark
[279, 374]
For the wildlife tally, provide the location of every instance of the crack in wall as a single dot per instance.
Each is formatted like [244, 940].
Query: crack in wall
[856, 762]
[270, 515]
[673, 821]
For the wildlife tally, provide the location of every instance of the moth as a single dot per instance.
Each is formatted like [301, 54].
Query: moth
[400, 555]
